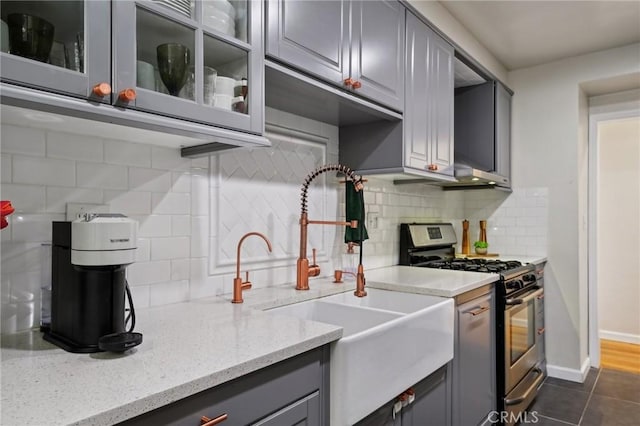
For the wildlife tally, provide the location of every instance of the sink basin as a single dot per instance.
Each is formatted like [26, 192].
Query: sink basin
[390, 341]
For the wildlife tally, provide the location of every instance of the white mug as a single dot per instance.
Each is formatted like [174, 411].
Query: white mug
[224, 85]
[145, 75]
[222, 101]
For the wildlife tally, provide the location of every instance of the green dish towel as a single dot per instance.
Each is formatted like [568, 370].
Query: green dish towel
[354, 202]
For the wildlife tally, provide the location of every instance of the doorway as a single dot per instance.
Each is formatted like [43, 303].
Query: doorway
[614, 229]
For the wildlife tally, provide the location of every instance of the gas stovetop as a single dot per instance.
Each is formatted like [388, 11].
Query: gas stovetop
[472, 265]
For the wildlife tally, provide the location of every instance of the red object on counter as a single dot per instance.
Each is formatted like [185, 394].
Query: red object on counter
[5, 210]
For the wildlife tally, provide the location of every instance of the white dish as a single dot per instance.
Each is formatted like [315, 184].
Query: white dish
[222, 101]
[225, 85]
[221, 5]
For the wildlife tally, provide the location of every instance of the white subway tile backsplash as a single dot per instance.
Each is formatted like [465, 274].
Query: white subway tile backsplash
[143, 250]
[33, 227]
[128, 202]
[149, 180]
[181, 181]
[153, 225]
[25, 198]
[74, 147]
[43, 171]
[140, 296]
[58, 197]
[180, 269]
[6, 169]
[199, 193]
[180, 225]
[170, 248]
[199, 236]
[127, 154]
[168, 159]
[149, 272]
[97, 175]
[168, 292]
[171, 203]
[22, 140]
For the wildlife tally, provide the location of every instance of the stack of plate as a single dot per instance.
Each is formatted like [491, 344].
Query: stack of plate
[220, 15]
[181, 6]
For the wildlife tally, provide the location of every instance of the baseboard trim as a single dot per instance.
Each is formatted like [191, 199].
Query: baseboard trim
[570, 374]
[619, 337]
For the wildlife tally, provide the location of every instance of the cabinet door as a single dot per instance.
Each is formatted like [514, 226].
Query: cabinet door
[441, 111]
[473, 388]
[503, 131]
[416, 127]
[428, 117]
[310, 35]
[377, 51]
[431, 405]
[70, 53]
[186, 65]
[305, 412]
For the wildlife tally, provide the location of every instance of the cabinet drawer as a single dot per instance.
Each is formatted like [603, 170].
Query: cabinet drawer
[248, 399]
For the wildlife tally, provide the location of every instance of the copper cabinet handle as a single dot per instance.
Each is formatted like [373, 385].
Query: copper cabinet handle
[540, 331]
[478, 311]
[127, 95]
[356, 84]
[101, 89]
[540, 297]
[206, 421]
[432, 167]
[348, 82]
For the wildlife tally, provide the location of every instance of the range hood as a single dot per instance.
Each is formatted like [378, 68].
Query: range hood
[481, 156]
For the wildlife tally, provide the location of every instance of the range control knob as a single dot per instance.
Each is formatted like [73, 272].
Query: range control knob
[514, 285]
[529, 278]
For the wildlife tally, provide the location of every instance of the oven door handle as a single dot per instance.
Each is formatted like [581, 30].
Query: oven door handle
[530, 389]
[531, 295]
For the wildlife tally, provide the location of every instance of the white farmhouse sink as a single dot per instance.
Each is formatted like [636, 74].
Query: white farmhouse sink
[391, 341]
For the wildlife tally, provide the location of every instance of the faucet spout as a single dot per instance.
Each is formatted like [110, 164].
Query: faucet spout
[238, 284]
[303, 269]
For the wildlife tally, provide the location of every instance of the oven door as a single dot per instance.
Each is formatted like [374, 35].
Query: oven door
[521, 337]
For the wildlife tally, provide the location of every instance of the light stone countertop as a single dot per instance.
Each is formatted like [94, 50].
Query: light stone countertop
[187, 348]
[435, 282]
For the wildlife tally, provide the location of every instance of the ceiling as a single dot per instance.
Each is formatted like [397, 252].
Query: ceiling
[521, 34]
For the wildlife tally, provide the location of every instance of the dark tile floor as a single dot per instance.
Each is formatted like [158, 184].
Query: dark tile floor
[606, 398]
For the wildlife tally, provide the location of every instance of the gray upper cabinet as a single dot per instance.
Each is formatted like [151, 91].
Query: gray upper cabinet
[429, 112]
[503, 130]
[76, 62]
[356, 45]
[218, 59]
[108, 52]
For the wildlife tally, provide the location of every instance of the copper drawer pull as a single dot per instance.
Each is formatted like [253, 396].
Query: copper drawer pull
[432, 167]
[348, 82]
[206, 421]
[356, 84]
[540, 331]
[478, 311]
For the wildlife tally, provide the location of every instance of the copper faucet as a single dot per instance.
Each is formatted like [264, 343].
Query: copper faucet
[238, 284]
[303, 269]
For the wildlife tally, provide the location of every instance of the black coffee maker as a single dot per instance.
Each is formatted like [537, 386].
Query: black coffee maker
[88, 288]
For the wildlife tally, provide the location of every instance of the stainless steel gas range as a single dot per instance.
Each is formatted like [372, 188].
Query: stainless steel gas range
[519, 314]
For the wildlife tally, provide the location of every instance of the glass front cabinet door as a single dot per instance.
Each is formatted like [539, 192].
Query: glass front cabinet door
[62, 47]
[196, 60]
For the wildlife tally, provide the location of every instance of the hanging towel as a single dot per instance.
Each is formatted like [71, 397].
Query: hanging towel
[354, 206]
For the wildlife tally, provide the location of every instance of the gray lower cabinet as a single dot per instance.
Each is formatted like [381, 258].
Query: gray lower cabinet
[429, 408]
[291, 392]
[429, 111]
[473, 366]
[356, 45]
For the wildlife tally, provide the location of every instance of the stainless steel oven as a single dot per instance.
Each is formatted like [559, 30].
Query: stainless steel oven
[523, 337]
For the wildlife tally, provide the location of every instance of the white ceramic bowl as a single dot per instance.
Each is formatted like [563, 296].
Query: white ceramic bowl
[222, 101]
[224, 86]
[221, 5]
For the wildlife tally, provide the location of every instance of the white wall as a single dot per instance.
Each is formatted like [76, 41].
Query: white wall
[619, 229]
[549, 139]
[442, 19]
